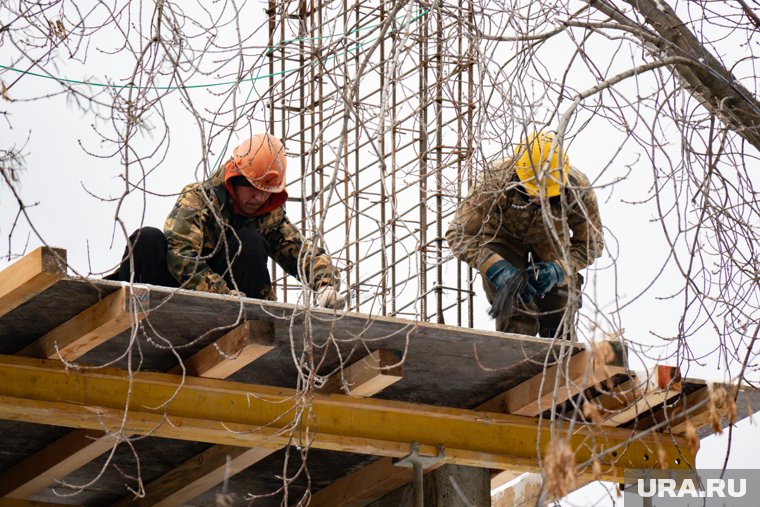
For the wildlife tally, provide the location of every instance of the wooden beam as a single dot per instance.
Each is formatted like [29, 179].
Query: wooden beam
[523, 493]
[233, 351]
[540, 392]
[29, 276]
[223, 412]
[633, 398]
[365, 377]
[692, 406]
[15, 502]
[246, 342]
[368, 376]
[197, 475]
[55, 461]
[363, 486]
[97, 324]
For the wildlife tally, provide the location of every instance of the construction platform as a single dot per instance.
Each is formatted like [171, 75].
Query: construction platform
[227, 396]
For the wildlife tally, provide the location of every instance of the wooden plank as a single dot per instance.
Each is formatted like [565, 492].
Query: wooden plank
[233, 351]
[55, 461]
[197, 475]
[633, 398]
[523, 493]
[701, 416]
[241, 346]
[692, 406]
[15, 502]
[365, 485]
[29, 276]
[368, 376]
[112, 315]
[542, 391]
[224, 412]
[205, 471]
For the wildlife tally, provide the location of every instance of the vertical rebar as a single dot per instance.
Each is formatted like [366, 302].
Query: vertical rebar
[470, 152]
[423, 157]
[383, 198]
[394, 166]
[272, 12]
[419, 490]
[439, 76]
[352, 301]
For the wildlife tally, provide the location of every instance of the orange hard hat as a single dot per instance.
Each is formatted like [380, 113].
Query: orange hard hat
[261, 159]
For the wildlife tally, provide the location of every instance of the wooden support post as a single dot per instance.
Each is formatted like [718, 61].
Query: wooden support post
[366, 377]
[29, 276]
[95, 325]
[246, 342]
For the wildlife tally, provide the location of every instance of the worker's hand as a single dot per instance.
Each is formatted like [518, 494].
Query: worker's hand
[329, 297]
[529, 293]
[237, 293]
[547, 275]
[499, 273]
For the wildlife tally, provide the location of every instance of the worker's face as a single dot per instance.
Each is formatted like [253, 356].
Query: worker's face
[249, 199]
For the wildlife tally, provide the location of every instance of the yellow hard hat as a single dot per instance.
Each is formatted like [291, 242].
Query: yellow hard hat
[534, 167]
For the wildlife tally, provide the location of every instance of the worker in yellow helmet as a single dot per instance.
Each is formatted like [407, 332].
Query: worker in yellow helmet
[221, 232]
[530, 217]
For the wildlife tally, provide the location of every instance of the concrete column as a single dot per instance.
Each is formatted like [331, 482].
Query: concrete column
[447, 486]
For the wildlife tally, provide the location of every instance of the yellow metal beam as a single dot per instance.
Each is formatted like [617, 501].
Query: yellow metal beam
[236, 349]
[224, 412]
[368, 376]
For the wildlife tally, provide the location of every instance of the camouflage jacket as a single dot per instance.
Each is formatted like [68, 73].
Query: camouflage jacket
[497, 213]
[195, 226]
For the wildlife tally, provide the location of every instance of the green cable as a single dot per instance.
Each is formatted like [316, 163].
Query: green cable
[422, 13]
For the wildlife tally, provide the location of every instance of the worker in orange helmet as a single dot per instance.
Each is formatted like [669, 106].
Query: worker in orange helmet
[534, 218]
[221, 232]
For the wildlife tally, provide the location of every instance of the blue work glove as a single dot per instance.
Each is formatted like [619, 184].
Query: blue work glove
[499, 273]
[547, 275]
[529, 293]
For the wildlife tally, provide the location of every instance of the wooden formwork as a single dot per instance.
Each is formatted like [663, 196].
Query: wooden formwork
[195, 392]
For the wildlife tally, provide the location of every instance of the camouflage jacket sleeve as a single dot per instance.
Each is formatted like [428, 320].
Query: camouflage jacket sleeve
[184, 233]
[587, 239]
[479, 217]
[296, 255]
